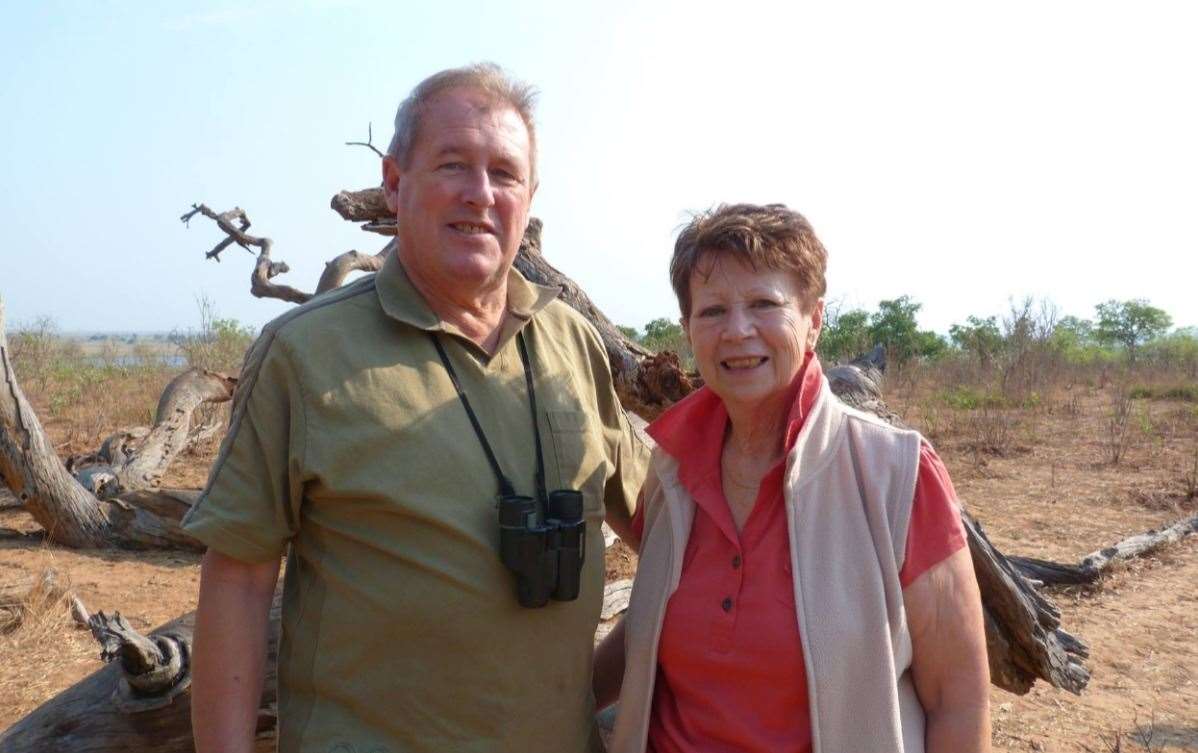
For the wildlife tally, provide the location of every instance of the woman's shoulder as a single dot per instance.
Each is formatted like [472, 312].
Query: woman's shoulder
[871, 424]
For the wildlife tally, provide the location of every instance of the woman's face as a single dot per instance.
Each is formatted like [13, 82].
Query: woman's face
[748, 330]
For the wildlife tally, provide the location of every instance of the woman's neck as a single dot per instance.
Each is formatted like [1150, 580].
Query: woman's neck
[759, 430]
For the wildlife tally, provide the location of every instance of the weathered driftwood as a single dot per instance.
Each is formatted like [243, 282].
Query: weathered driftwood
[265, 269]
[1022, 648]
[136, 459]
[1024, 639]
[141, 702]
[70, 514]
[138, 702]
[1093, 565]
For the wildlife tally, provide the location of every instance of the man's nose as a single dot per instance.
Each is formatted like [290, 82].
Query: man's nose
[477, 190]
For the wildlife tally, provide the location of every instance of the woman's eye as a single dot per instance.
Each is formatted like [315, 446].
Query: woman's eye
[765, 303]
[711, 311]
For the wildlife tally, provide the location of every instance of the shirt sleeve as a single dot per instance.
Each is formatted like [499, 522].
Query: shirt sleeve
[628, 453]
[935, 531]
[250, 507]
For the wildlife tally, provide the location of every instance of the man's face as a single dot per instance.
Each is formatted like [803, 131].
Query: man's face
[462, 200]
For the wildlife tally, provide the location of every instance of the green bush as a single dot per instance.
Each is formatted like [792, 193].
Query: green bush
[218, 345]
[1187, 393]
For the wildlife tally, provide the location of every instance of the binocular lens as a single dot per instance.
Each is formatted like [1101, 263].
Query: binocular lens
[516, 511]
[565, 505]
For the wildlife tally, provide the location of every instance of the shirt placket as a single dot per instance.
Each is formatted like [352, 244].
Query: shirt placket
[726, 602]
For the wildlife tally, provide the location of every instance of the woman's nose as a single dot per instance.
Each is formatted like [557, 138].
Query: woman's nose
[740, 324]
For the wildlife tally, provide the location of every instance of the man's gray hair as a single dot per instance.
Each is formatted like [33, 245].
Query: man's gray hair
[486, 77]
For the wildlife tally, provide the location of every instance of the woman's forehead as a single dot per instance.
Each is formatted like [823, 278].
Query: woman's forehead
[717, 272]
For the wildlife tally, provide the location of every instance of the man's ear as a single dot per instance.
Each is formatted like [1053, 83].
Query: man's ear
[391, 175]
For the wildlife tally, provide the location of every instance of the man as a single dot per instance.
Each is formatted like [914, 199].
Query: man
[349, 441]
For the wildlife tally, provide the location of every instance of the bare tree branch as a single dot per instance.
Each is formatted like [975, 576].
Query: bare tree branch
[369, 143]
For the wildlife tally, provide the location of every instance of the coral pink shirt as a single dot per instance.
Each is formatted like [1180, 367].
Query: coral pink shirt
[730, 673]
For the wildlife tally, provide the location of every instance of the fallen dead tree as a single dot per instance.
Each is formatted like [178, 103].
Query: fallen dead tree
[1023, 628]
[100, 503]
[139, 700]
[1094, 565]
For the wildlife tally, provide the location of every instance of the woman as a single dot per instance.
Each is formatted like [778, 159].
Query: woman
[803, 582]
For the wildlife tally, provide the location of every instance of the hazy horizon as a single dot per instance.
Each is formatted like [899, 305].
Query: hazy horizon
[963, 155]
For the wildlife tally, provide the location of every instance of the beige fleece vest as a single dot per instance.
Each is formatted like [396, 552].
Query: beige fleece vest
[848, 488]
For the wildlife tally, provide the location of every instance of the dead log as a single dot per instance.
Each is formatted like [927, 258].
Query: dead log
[136, 459]
[1024, 638]
[1094, 565]
[70, 514]
[139, 701]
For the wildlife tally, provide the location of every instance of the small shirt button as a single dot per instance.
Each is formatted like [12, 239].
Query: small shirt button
[736, 562]
[727, 604]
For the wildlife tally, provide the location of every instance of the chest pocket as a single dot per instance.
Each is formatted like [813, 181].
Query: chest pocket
[578, 452]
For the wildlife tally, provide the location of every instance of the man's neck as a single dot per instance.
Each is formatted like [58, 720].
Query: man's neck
[477, 313]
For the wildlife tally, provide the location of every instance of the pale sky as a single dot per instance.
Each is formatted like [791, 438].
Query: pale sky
[959, 153]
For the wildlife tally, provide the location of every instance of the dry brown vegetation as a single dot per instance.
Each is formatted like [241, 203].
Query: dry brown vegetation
[1055, 459]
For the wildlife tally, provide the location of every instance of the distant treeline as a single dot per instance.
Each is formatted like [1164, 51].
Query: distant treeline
[1121, 331]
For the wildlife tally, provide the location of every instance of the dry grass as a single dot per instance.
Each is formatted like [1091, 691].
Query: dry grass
[1033, 462]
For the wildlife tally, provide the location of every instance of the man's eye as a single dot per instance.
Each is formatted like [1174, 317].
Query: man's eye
[500, 175]
[452, 166]
[765, 303]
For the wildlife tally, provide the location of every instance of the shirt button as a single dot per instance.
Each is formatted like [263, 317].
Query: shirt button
[727, 604]
[736, 562]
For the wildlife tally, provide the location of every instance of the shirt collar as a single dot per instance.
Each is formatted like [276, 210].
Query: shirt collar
[692, 430]
[402, 302]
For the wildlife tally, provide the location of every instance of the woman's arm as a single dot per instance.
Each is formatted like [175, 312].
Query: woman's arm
[607, 674]
[949, 666]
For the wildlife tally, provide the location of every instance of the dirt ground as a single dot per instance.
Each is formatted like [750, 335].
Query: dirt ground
[1039, 480]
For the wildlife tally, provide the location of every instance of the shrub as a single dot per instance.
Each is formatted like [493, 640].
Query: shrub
[218, 345]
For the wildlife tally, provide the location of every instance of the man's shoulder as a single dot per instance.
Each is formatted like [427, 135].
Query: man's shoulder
[304, 328]
[340, 307]
[561, 319]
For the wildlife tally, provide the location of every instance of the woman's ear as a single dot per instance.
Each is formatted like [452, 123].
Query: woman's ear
[817, 324]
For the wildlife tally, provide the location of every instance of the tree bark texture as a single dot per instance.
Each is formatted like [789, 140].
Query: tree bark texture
[138, 702]
[1095, 564]
[70, 514]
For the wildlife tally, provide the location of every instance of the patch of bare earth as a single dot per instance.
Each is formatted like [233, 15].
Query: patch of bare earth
[1040, 480]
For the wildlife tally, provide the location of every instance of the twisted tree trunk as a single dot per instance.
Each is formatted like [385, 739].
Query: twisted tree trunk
[125, 472]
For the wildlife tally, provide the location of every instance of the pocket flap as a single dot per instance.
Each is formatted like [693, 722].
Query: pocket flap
[567, 420]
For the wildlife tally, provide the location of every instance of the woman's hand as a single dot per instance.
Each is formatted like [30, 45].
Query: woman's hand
[949, 666]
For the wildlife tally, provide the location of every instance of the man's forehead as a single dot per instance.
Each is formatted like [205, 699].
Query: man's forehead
[468, 104]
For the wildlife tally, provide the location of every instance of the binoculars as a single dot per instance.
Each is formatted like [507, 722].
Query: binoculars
[547, 556]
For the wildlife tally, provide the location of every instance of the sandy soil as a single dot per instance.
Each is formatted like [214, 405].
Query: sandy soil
[1047, 491]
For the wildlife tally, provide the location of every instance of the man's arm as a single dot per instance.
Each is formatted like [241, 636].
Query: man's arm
[949, 666]
[608, 673]
[229, 651]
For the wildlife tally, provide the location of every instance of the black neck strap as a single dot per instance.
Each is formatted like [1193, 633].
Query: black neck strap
[505, 485]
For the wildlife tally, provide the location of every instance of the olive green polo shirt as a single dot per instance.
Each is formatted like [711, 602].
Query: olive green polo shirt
[401, 630]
